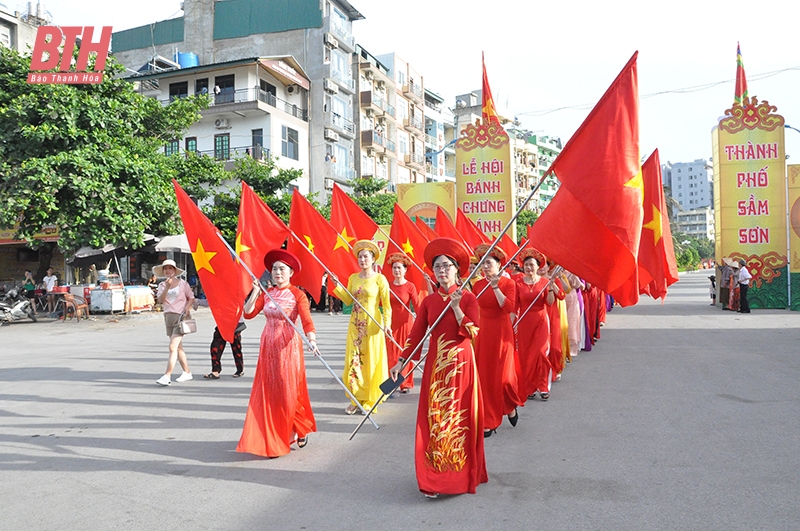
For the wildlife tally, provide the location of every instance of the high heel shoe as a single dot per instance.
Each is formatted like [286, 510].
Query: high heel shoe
[513, 420]
[302, 441]
[488, 433]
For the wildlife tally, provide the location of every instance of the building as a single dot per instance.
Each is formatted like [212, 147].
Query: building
[440, 151]
[698, 222]
[18, 30]
[316, 33]
[259, 108]
[691, 183]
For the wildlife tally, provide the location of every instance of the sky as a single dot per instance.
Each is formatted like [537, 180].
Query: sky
[550, 62]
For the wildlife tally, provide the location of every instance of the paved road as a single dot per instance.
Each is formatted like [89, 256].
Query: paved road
[683, 417]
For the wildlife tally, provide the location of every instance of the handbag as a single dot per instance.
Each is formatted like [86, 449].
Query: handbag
[188, 326]
[240, 327]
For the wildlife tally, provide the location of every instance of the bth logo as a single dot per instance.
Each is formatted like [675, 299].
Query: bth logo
[48, 54]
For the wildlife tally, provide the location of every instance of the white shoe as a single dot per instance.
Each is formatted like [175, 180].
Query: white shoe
[164, 380]
[185, 377]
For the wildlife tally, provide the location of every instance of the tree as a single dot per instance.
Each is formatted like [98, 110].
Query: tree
[368, 194]
[526, 217]
[89, 159]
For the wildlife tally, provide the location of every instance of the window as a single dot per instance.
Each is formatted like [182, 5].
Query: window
[222, 146]
[178, 90]
[268, 92]
[257, 138]
[401, 78]
[191, 143]
[171, 147]
[224, 88]
[201, 86]
[290, 144]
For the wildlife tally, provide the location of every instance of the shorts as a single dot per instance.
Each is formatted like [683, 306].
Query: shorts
[173, 323]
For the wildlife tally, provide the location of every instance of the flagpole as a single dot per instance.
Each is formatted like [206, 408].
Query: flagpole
[428, 278]
[556, 271]
[303, 338]
[472, 274]
[522, 247]
[339, 282]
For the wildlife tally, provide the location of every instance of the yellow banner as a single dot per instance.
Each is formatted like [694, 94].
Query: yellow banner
[421, 199]
[750, 197]
[382, 240]
[484, 184]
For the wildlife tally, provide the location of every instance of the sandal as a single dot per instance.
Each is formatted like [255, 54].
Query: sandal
[351, 409]
[211, 376]
[544, 396]
[238, 374]
[302, 441]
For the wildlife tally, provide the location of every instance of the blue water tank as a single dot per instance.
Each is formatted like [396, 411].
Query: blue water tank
[188, 60]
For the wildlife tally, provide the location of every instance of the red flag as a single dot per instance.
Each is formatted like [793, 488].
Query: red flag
[740, 92]
[319, 238]
[593, 224]
[445, 228]
[507, 245]
[657, 268]
[488, 110]
[348, 219]
[469, 230]
[260, 230]
[426, 229]
[216, 266]
[411, 242]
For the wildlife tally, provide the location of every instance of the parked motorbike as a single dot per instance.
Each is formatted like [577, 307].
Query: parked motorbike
[15, 307]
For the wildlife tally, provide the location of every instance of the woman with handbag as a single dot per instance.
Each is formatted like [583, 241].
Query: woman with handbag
[279, 412]
[176, 297]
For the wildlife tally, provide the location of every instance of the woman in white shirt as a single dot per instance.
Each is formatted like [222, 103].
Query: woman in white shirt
[744, 285]
[176, 297]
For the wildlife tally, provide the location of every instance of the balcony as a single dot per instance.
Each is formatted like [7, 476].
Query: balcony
[230, 154]
[414, 124]
[343, 79]
[346, 40]
[415, 160]
[431, 142]
[372, 101]
[341, 124]
[339, 172]
[371, 139]
[413, 92]
[250, 99]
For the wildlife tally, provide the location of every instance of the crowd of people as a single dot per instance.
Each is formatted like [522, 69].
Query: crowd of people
[734, 282]
[493, 344]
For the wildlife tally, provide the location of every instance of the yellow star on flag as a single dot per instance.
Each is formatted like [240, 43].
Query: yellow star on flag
[637, 182]
[309, 243]
[202, 258]
[344, 240]
[240, 247]
[407, 248]
[655, 225]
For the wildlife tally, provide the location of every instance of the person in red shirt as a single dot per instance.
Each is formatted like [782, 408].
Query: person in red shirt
[405, 298]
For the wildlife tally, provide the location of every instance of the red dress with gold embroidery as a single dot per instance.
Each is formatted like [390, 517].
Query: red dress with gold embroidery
[496, 353]
[279, 410]
[402, 321]
[533, 337]
[449, 436]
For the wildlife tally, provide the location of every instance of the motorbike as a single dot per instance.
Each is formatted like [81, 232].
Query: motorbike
[15, 307]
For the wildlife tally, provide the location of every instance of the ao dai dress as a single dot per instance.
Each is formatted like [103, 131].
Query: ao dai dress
[365, 364]
[279, 410]
[533, 337]
[402, 321]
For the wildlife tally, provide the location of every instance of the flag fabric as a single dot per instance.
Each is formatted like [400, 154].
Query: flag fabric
[426, 229]
[404, 237]
[216, 266]
[740, 92]
[507, 245]
[488, 109]
[313, 235]
[593, 224]
[445, 228]
[468, 230]
[348, 219]
[657, 267]
[259, 231]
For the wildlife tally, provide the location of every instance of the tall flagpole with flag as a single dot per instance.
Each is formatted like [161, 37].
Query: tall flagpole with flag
[741, 80]
[488, 109]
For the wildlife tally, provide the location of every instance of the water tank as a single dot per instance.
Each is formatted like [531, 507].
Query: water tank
[188, 60]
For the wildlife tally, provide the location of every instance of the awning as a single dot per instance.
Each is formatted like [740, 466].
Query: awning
[286, 72]
[177, 243]
[86, 256]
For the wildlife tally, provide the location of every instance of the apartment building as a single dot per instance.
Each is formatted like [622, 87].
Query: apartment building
[698, 222]
[440, 152]
[691, 183]
[18, 29]
[316, 34]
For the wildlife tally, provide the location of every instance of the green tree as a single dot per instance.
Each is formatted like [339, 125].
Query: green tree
[89, 159]
[368, 193]
[525, 218]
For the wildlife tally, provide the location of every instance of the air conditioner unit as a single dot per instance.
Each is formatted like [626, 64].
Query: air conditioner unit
[370, 113]
[331, 135]
[330, 86]
[382, 159]
[221, 123]
[368, 75]
[382, 121]
[381, 85]
[329, 184]
[293, 89]
[370, 152]
[331, 41]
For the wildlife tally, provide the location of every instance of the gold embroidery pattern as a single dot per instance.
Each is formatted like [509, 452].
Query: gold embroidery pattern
[445, 452]
[355, 376]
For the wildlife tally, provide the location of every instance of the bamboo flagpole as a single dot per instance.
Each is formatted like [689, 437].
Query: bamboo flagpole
[303, 338]
[441, 316]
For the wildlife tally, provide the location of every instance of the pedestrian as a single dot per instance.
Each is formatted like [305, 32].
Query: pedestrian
[218, 348]
[725, 282]
[279, 412]
[495, 351]
[365, 356]
[30, 289]
[744, 286]
[176, 298]
[448, 450]
[405, 298]
[734, 297]
[712, 289]
[50, 282]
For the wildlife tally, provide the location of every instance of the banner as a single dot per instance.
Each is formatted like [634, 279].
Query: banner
[750, 198]
[421, 199]
[484, 184]
[793, 173]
